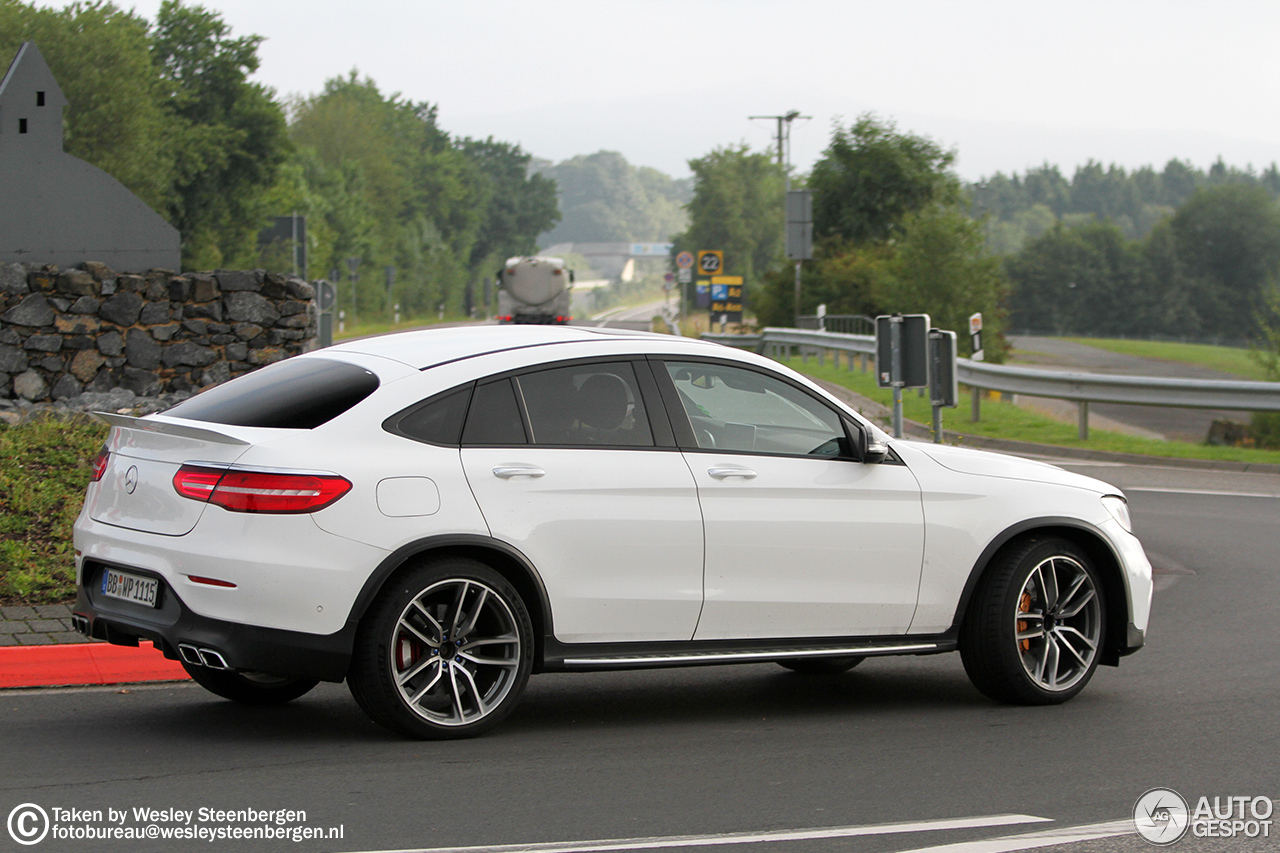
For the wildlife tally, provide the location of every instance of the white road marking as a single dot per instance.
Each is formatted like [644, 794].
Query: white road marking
[1033, 840]
[1209, 492]
[670, 841]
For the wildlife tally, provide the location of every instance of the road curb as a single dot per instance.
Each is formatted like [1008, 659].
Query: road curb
[80, 664]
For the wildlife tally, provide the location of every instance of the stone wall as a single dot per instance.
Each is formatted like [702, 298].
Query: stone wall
[63, 332]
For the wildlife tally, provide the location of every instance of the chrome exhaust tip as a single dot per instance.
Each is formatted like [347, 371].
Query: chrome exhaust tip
[190, 654]
[212, 659]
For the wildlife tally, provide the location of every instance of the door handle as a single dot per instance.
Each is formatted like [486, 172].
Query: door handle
[506, 472]
[722, 473]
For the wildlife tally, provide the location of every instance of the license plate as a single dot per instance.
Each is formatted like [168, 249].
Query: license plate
[127, 587]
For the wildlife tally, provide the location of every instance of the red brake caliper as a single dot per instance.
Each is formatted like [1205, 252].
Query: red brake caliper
[1024, 606]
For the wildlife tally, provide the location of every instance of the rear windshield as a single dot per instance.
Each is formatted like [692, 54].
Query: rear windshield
[300, 393]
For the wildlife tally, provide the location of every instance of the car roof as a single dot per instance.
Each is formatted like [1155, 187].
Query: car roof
[426, 348]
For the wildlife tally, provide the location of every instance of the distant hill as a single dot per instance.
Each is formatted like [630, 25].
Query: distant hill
[603, 199]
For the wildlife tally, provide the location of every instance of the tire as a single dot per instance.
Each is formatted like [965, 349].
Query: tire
[445, 651]
[822, 666]
[249, 688]
[1035, 628]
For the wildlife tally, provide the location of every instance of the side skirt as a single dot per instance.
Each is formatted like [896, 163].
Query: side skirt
[570, 657]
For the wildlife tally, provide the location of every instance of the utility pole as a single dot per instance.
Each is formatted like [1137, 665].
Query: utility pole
[784, 160]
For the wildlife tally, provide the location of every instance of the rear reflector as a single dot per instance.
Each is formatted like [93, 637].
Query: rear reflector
[211, 581]
[259, 491]
[100, 464]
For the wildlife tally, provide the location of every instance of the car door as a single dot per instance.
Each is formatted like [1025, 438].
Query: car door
[801, 541]
[568, 467]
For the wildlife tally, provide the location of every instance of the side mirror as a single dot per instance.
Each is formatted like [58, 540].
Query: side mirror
[868, 449]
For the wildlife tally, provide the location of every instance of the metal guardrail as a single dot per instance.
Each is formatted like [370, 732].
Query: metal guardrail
[1081, 388]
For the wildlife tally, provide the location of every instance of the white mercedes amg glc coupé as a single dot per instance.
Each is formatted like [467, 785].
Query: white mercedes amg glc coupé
[434, 516]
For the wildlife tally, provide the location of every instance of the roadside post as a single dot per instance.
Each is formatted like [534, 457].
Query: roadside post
[326, 298]
[975, 335]
[902, 357]
[944, 390]
[684, 276]
[799, 232]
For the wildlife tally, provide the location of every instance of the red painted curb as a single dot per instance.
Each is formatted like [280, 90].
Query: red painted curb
[85, 663]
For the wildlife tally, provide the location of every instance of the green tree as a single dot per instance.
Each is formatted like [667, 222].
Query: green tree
[521, 205]
[1075, 280]
[1228, 238]
[871, 176]
[230, 138]
[941, 267]
[736, 207]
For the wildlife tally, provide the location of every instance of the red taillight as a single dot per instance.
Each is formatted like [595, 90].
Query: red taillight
[259, 491]
[100, 464]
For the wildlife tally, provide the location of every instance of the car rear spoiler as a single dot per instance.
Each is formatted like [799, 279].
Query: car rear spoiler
[169, 428]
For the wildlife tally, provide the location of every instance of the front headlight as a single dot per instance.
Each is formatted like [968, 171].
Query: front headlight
[1119, 509]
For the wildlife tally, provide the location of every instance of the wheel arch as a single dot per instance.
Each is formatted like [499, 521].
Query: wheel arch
[500, 556]
[1088, 539]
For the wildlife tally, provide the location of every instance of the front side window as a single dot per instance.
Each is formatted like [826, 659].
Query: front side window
[742, 411]
[585, 405]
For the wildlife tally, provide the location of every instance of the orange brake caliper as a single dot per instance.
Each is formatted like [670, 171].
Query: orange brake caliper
[1024, 606]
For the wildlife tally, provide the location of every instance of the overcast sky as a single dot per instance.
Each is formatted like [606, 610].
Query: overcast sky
[1007, 83]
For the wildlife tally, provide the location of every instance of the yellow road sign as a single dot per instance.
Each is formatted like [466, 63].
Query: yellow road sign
[710, 262]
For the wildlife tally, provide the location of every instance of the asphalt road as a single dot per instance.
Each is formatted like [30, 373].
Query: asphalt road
[1178, 424]
[736, 749]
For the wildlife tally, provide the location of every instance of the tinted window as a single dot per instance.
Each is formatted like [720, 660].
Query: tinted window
[590, 404]
[437, 421]
[300, 393]
[740, 410]
[494, 417]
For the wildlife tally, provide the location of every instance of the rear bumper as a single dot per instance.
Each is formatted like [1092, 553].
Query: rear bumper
[172, 624]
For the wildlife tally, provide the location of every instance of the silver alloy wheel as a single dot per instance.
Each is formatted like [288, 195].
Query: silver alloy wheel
[1058, 623]
[455, 652]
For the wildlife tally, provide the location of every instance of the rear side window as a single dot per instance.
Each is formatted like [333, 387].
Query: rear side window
[494, 418]
[585, 405]
[435, 421]
[299, 393]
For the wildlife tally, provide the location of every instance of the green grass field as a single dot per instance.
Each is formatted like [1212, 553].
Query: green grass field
[44, 469]
[1004, 420]
[1226, 359]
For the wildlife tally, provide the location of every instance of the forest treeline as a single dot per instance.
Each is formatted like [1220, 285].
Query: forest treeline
[168, 108]
[1020, 207]
[1181, 252]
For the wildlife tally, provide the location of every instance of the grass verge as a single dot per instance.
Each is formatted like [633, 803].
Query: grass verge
[1001, 419]
[44, 469]
[1227, 359]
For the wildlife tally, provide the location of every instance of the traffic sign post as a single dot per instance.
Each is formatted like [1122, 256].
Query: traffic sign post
[902, 357]
[944, 389]
[710, 262]
[727, 298]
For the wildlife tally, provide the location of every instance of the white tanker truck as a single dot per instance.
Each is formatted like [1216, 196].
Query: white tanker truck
[534, 290]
